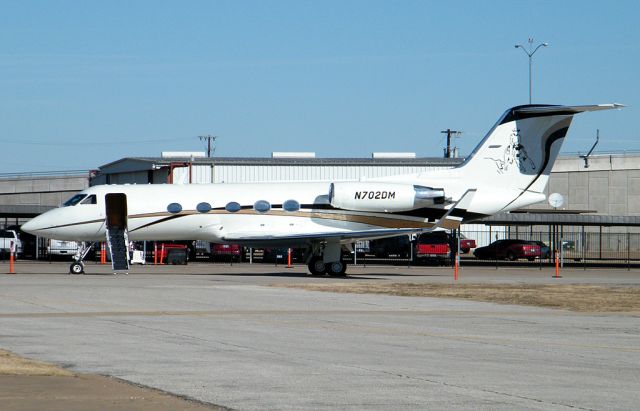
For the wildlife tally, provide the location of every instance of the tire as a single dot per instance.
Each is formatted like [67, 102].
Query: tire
[511, 256]
[76, 268]
[317, 266]
[531, 259]
[337, 269]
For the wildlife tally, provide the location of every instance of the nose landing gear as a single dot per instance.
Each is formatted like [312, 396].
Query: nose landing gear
[77, 266]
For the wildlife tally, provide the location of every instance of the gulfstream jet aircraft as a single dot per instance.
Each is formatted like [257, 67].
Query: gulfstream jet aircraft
[509, 169]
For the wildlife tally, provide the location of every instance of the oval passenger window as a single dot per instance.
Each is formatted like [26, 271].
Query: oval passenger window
[232, 207]
[174, 208]
[203, 207]
[291, 205]
[262, 206]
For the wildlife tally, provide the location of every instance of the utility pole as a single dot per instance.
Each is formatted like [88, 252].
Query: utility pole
[209, 139]
[450, 133]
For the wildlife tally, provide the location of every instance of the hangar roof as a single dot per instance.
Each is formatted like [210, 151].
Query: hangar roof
[560, 218]
[150, 163]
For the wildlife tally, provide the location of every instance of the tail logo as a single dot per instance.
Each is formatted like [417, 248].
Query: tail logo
[514, 153]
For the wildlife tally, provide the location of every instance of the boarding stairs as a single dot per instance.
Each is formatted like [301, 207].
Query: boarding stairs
[118, 242]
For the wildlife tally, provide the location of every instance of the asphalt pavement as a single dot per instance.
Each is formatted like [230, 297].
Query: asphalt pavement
[224, 335]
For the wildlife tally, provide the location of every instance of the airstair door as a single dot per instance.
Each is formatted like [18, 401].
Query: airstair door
[116, 227]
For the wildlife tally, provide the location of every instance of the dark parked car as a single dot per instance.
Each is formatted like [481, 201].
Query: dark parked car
[281, 254]
[509, 249]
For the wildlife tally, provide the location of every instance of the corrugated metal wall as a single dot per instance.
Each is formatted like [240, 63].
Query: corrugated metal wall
[200, 174]
[137, 177]
[257, 173]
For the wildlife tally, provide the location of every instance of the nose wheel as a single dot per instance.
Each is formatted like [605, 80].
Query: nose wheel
[76, 268]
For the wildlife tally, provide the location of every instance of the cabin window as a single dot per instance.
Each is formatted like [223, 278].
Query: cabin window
[74, 200]
[90, 200]
[233, 207]
[203, 207]
[174, 208]
[291, 205]
[262, 206]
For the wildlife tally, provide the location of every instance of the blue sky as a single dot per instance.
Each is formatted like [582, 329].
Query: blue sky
[86, 83]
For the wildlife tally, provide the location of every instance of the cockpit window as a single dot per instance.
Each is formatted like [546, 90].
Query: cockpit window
[90, 200]
[74, 200]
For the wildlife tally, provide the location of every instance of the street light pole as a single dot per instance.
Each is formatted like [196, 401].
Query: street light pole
[530, 54]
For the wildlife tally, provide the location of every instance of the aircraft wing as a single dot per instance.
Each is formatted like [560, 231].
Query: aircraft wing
[447, 221]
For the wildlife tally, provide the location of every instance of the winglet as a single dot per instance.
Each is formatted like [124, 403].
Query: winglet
[450, 221]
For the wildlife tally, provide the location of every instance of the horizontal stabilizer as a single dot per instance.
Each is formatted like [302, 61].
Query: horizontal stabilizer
[450, 221]
[567, 109]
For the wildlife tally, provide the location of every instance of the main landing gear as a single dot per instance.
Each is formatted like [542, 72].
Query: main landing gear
[77, 266]
[317, 267]
[327, 260]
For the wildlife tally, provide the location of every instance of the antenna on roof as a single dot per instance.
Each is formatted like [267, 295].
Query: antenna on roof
[586, 157]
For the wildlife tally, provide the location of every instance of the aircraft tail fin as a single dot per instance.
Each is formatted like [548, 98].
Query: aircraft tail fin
[520, 150]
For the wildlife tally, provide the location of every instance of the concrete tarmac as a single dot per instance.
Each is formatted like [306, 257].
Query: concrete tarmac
[223, 335]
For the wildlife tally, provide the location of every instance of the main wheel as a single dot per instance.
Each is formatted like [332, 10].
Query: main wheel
[76, 268]
[511, 256]
[337, 269]
[317, 266]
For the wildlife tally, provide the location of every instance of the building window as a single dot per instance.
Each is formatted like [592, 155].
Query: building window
[203, 207]
[232, 207]
[261, 206]
[174, 208]
[291, 205]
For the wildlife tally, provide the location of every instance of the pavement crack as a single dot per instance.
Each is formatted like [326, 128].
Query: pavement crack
[462, 387]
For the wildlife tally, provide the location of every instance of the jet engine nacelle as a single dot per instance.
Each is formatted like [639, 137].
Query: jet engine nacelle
[383, 197]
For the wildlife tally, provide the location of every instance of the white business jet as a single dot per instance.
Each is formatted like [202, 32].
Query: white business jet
[509, 169]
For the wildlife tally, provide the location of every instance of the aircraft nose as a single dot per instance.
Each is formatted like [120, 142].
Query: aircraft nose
[33, 226]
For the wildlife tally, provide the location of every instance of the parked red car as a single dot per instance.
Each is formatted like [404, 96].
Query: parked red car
[171, 253]
[509, 249]
[437, 245]
[432, 247]
[231, 252]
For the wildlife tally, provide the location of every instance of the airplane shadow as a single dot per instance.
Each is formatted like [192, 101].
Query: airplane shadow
[368, 276]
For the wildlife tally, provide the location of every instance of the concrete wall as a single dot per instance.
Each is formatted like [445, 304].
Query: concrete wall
[40, 190]
[610, 186]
